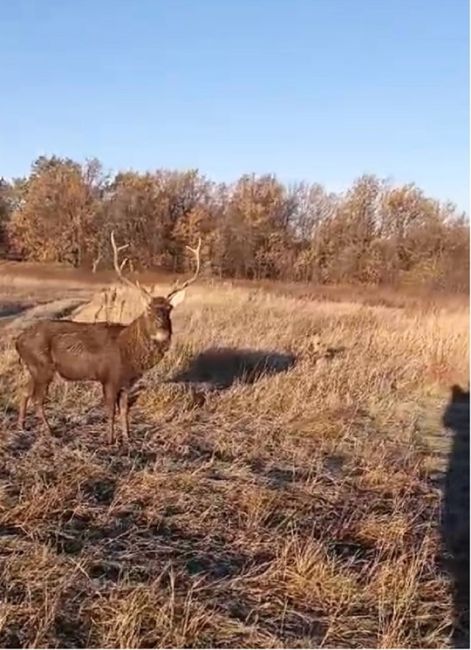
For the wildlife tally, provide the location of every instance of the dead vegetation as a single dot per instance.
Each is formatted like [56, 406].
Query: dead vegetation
[282, 485]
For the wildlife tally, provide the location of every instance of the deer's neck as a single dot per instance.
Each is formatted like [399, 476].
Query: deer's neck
[139, 351]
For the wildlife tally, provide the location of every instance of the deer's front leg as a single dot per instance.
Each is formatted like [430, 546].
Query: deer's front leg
[123, 405]
[110, 393]
[24, 404]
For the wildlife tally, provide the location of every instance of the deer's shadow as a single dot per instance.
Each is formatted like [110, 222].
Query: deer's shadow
[455, 512]
[222, 367]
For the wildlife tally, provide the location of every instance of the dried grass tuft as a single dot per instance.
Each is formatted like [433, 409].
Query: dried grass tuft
[277, 491]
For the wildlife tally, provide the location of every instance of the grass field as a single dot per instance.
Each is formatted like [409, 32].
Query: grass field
[283, 486]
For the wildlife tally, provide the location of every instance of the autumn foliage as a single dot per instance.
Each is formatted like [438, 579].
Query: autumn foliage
[255, 228]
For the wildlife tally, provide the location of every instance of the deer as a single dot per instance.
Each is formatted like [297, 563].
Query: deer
[113, 354]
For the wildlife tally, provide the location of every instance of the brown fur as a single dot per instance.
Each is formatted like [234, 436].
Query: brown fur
[114, 355]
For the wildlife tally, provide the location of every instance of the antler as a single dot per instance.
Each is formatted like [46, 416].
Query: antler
[119, 268]
[179, 287]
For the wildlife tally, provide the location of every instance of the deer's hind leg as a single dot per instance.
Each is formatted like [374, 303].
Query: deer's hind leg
[40, 394]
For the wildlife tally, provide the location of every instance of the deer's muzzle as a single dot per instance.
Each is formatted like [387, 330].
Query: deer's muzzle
[161, 336]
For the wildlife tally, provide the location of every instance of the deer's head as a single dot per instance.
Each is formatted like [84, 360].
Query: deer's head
[157, 309]
[157, 317]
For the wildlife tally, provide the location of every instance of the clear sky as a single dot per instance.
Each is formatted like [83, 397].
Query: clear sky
[317, 90]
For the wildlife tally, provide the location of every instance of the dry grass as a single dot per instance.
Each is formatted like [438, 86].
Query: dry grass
[278, 490]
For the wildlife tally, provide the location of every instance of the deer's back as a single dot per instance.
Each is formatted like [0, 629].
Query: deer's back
[90, 337]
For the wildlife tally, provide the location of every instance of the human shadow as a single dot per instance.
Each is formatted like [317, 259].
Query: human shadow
[455, 512]
[222, 367]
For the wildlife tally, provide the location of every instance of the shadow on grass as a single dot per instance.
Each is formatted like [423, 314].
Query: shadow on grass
[10, 309]
[222, 367]
[455, 518]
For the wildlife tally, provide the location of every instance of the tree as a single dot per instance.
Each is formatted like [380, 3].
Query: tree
[255, 228]
[54, 217]
[158, 214]
[5, 213]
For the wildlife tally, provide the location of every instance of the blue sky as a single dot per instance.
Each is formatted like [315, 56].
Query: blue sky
[316, 90]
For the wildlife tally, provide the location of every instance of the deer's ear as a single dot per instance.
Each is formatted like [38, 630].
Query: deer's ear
[177, 298]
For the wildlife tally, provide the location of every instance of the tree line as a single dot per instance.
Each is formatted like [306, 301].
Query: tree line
[255, 228]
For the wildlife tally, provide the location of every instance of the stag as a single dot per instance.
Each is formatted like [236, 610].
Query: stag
[112, 354]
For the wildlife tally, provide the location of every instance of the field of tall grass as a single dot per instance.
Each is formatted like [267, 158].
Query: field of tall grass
[283, 486]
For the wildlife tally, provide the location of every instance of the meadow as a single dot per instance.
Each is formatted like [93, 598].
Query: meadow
[285, 483]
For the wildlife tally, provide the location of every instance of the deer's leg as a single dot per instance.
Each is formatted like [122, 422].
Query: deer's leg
[24, 403]
[43, 418]
[117, 399]
[111, 395]
[118, 404]
[123, 412]
[39, 395]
